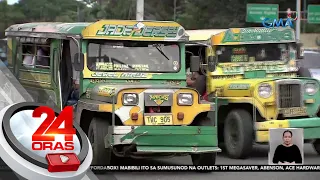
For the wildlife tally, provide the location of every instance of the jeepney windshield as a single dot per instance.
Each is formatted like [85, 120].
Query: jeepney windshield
[253, 52]
[137, 56]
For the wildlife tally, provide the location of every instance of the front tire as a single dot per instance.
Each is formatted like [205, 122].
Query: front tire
[238, 134]
[98, 129]
[316, 146]
[204, 159]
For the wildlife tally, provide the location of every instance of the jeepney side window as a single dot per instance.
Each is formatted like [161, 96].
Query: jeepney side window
[36, 55]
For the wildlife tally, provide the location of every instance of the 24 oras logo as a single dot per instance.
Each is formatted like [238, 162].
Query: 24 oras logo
[44, 138]
[38, 142]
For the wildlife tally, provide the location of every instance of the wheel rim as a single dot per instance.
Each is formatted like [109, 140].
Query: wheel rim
[234, 135]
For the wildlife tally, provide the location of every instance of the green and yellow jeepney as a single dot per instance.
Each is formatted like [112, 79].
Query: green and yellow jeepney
[133, 96]
[253, 72]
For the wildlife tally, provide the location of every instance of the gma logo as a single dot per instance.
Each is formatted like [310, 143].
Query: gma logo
[268, 23]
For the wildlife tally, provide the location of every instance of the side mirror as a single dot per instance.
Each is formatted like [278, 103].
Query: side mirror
[299, 51]
[194, 63]
[211, 63]
[78, 61]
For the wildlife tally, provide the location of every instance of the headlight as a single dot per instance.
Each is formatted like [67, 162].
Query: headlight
[130, 99]
[265, 90]
[310, 88]
[185, 99]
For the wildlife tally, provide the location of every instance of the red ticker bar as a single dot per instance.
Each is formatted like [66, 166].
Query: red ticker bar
[231, 168]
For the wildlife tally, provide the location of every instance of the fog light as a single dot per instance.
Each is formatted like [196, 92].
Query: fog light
[134, 116]
[180, 115]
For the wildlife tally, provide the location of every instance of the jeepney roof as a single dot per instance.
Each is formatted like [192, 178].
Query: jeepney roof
[45, 29]
[61, 30]
[254, 35]
[202, 34]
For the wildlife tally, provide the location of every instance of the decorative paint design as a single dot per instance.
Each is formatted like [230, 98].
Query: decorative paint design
[106, 91]
[88, 93]
[159, 99]
[250, 35]
[253, 35]
[135, 30]
[36, 77]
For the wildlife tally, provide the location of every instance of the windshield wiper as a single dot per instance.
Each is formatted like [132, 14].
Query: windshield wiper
[157, 46]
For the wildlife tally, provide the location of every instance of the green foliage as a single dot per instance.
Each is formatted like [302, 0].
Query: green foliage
[192, 14]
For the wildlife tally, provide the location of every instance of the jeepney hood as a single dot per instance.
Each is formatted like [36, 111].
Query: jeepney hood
[238, 87]
[106, 92]
[245, 87]
[241, 87]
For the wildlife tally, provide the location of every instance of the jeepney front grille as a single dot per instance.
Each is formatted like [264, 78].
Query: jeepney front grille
[289, 95]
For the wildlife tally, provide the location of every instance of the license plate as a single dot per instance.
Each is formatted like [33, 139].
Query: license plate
[296, 111]
[158, 120]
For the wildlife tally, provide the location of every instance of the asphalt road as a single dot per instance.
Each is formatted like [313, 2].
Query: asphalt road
[259, 156]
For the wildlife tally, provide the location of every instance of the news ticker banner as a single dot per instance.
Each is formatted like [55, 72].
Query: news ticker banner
[218, 168]
[25, 146]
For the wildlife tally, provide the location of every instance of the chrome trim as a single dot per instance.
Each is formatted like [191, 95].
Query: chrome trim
[311, 82]
[289, 81]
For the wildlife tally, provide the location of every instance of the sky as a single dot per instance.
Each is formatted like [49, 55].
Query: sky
[12, 1]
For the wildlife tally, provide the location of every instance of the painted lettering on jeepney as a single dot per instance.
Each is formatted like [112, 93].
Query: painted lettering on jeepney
[138, 30]
[222, 77]
[132, 81]
[159, 99]
[106, 91]
[239, 86]
[122, 75]
[107, 66]
[259, 34]
[172, 82]
[242, 67]
[282, 75]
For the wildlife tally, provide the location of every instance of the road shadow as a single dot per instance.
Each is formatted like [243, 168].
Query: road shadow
[258, 151]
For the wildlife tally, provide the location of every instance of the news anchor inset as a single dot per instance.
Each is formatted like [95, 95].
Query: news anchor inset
[46, 156]
[286, 146]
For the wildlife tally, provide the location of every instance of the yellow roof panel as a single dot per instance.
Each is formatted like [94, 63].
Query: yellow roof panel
[135, 30]
[202, 34]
